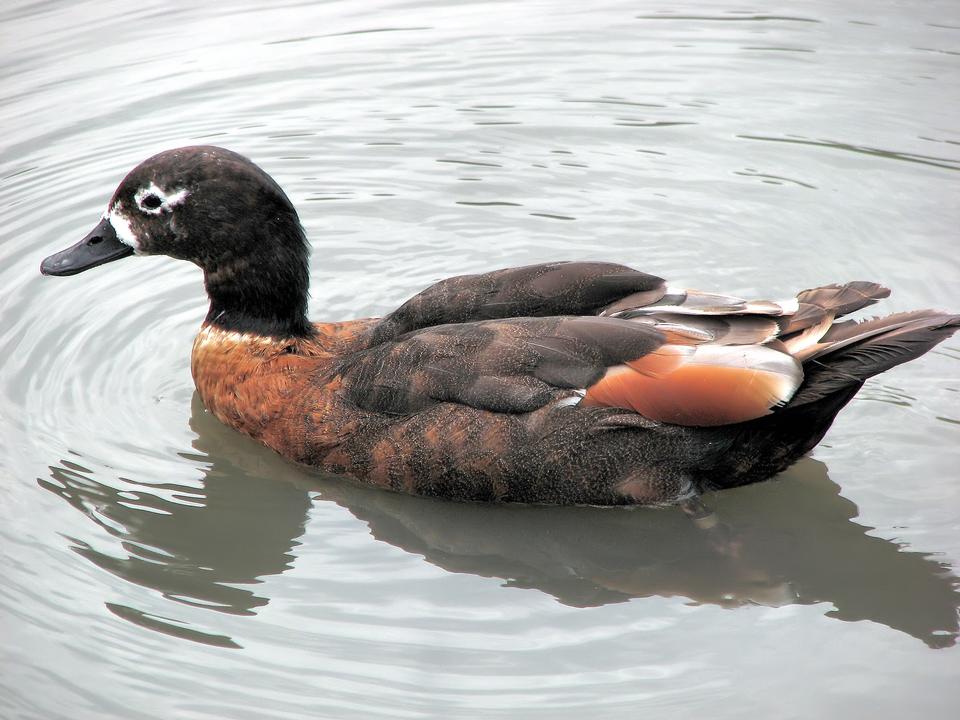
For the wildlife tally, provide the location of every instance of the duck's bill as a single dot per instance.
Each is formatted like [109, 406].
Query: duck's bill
[98, 247]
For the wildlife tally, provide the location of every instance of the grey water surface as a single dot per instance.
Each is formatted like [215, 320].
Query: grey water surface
[154, 564]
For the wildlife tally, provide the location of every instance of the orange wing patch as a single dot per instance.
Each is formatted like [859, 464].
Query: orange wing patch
[716, 385]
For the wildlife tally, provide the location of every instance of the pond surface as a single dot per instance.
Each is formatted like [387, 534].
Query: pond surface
[158, 565]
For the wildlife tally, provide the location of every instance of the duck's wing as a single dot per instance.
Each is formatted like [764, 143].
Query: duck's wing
[677, 356]
[663, 370]
[609, 289]
[559, 288]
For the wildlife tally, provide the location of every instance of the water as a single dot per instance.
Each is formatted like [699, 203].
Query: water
[156, 564]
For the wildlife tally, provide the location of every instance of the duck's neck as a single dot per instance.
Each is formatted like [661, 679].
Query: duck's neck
[263, 292]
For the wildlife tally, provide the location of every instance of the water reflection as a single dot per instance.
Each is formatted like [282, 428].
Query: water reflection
[775, 544]
[197, 545]
[772, 544]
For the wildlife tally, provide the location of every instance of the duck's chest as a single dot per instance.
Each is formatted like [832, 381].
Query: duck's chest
[257, 385]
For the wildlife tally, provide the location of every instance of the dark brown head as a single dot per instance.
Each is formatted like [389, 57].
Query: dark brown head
[220, 211]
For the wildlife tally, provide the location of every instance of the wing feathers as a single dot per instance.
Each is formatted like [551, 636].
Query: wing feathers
[846, 298]
[803, 344]
[726, 330]
[544, 290]
[517, 339]
[716, 385]
[663, 361]
[695, 302]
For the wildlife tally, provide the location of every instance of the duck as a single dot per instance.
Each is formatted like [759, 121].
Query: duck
[558, 383]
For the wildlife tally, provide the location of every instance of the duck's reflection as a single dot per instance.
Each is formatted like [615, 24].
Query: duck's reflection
[776, 543]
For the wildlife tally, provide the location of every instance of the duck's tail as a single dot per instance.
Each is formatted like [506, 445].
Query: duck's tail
[849, 352]
[845, 356]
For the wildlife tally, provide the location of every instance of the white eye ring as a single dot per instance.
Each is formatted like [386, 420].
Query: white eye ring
[152, 200]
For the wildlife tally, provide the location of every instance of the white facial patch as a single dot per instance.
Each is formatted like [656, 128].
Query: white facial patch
[121, 226]
[153, 200]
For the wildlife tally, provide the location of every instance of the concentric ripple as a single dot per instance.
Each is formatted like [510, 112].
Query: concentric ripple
[156, 564]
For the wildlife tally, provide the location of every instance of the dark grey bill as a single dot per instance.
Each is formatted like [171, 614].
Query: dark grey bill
[98, 247]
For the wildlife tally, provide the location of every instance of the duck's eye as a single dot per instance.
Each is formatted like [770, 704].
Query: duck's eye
[155, 201]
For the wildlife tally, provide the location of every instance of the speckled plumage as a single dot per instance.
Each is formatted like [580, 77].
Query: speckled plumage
[554, 383]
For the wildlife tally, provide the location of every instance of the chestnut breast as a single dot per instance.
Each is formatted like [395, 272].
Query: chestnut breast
[263, 386]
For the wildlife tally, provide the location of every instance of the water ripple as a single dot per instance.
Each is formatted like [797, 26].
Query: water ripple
[940, 162]
[157, 564]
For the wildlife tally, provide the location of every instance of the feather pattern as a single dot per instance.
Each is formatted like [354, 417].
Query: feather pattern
[716, 385]
[694, 358]
[673, 355]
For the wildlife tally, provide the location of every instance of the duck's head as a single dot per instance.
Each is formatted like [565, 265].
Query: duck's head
[220, 211]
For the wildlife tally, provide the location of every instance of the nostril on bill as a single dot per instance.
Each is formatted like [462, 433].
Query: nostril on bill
[94, 240]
